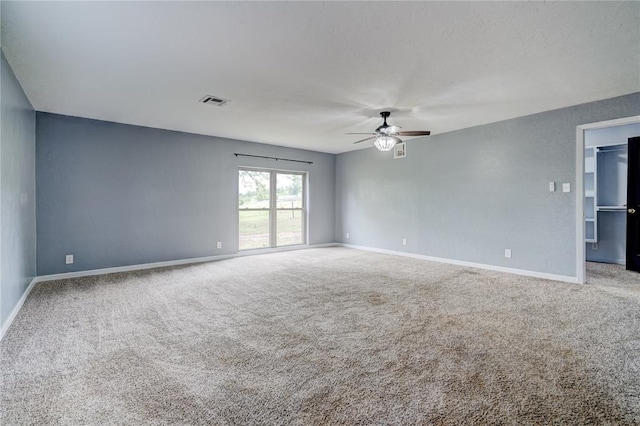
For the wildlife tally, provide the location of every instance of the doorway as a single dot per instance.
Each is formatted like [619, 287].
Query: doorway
[584, 210]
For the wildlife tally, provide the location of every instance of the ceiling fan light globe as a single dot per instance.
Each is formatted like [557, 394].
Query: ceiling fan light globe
[385, 143]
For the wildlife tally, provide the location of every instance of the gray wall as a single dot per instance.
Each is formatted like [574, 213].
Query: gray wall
[470, 194]
[612, 238]
[115, 195]
[612, 226]
[18, 195]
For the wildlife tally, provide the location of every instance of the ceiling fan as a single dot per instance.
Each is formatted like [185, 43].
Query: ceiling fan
[387, 136]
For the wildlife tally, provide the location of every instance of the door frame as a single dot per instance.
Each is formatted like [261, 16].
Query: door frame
[581, 261]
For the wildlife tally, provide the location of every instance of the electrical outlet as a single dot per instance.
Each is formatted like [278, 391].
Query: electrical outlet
[219, 244]
[566, 187]
[594, 246]
[507, 253]
[68, 259]
[347, 235]
[404, 241]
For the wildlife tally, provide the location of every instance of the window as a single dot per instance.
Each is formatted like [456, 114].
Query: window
[271, 208]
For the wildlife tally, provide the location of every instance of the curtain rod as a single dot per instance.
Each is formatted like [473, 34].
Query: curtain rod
[272, 158]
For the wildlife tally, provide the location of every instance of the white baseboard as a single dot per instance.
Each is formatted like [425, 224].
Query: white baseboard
[179, 262]
[622, 262]
[129, 268]
[16, 309]
[524, 272]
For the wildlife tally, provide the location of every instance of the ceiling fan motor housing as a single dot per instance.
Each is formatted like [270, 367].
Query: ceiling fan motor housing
[384, 115]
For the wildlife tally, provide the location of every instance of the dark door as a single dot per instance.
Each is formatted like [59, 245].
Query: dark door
[633, 206]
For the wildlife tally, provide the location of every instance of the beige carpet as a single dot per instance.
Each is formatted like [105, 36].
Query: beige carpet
[325, 336]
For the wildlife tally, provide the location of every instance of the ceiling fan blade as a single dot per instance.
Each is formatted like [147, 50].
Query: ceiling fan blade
[366, 139]
[415, 133]
[369, 133]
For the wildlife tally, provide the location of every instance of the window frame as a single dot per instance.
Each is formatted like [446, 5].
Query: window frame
[273, 207]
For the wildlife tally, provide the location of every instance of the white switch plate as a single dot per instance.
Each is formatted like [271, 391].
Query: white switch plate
[347, 235]
[404, 241]
[552, 187]
[219, 244]
[68, 259]
[507, 253]
[566, 187]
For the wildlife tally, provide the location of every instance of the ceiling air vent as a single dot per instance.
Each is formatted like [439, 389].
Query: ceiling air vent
[213, 100]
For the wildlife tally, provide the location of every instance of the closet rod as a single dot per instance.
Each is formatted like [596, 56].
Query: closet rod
[272, 158]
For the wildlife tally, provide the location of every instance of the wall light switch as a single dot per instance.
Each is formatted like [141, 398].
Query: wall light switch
[219, 244]
[507, 253]
[68, 259]
[566, 187]
[347, 235]
[552, 187]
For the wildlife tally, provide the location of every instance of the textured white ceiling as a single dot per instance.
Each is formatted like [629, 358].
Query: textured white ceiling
[302, 74]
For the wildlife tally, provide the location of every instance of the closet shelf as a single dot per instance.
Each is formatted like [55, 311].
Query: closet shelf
[603, 192]
[611, 208]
